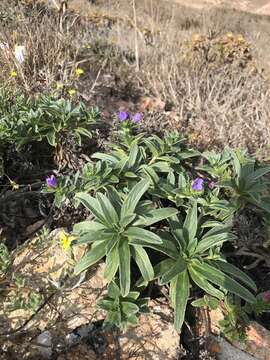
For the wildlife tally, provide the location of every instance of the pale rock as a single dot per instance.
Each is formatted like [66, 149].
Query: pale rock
[154, 339]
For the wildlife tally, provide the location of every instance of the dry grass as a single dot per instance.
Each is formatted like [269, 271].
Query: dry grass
[52, 43]
[215, 85]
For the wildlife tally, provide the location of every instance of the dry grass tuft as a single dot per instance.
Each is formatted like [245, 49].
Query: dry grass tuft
[208, 68]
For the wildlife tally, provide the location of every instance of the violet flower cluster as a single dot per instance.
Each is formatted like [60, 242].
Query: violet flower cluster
[51, 181]
[198, 184]
[124, 116]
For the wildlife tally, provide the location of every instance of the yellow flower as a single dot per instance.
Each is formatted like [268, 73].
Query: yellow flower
[14, 185]
[72, 92]
[66, 240]
[59, 86]
[79, 72]
[13, 73]
[240, 38]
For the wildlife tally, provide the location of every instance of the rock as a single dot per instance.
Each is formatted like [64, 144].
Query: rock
[150, 104]
[258, 338]
[45, 342]
[258, 342]
[43, 263]
[215, 317]
[155, 338]
[230, 352]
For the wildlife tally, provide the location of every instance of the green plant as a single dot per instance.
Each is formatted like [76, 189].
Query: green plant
[24, 120]
[119, 233]
[122, 311]
[247, 182]
[218, 163]
[261, 305]
[22, 297]
[207, 300]
[135, 157]
[194, 255]
[235, 321]
[5, 259]
[92, 177]
[171, 211]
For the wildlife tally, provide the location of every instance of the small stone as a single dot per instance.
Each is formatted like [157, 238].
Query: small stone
[45, 340]
[150, 104]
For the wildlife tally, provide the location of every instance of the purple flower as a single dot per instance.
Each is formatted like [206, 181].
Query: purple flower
[51, 181]
[137, 117]
[266, 296]
[211, 184]
[123, 115]
[197, 184]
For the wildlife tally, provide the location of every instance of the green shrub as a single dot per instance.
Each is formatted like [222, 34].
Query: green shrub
[24, 120]
[170, 209]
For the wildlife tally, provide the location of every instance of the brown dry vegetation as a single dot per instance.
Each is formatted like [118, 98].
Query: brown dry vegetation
[215, 84]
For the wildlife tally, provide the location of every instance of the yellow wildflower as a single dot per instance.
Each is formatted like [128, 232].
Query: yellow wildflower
[66, 240]
[240, 38]
[14, 185]
[72, 92]
[13, 73]
[79, 72]
[59, 86]
[230, 35]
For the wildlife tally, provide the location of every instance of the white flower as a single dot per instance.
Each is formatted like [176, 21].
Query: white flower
[19, 53]
[4, 46]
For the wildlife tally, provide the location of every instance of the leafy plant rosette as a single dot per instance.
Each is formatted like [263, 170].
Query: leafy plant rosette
[119, 233]
[25, 120]
[122, 311]
[163, 213]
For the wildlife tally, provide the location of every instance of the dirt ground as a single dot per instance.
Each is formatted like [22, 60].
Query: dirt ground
[261, 7]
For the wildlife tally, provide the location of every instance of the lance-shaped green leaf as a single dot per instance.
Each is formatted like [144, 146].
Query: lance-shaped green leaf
[204, 284]
[213, 240]
[221, 279]
[179, 266]
[257, 174]
[107, 209]
[112, 264]
[124, 266]
[143, 262]
[127, 220]
[236, 273]
[166, 247]
[164, 266]
[106, 157]
[87, 226]
[177, 231]
[181, 299]
[190, 224]
[151, 217]
[96, 253]
[134, 233]
[134, 150]
[93, 205]
[132, 199]
[90, 237]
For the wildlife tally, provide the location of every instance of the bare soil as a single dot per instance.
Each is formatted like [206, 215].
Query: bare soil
[261, 7]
